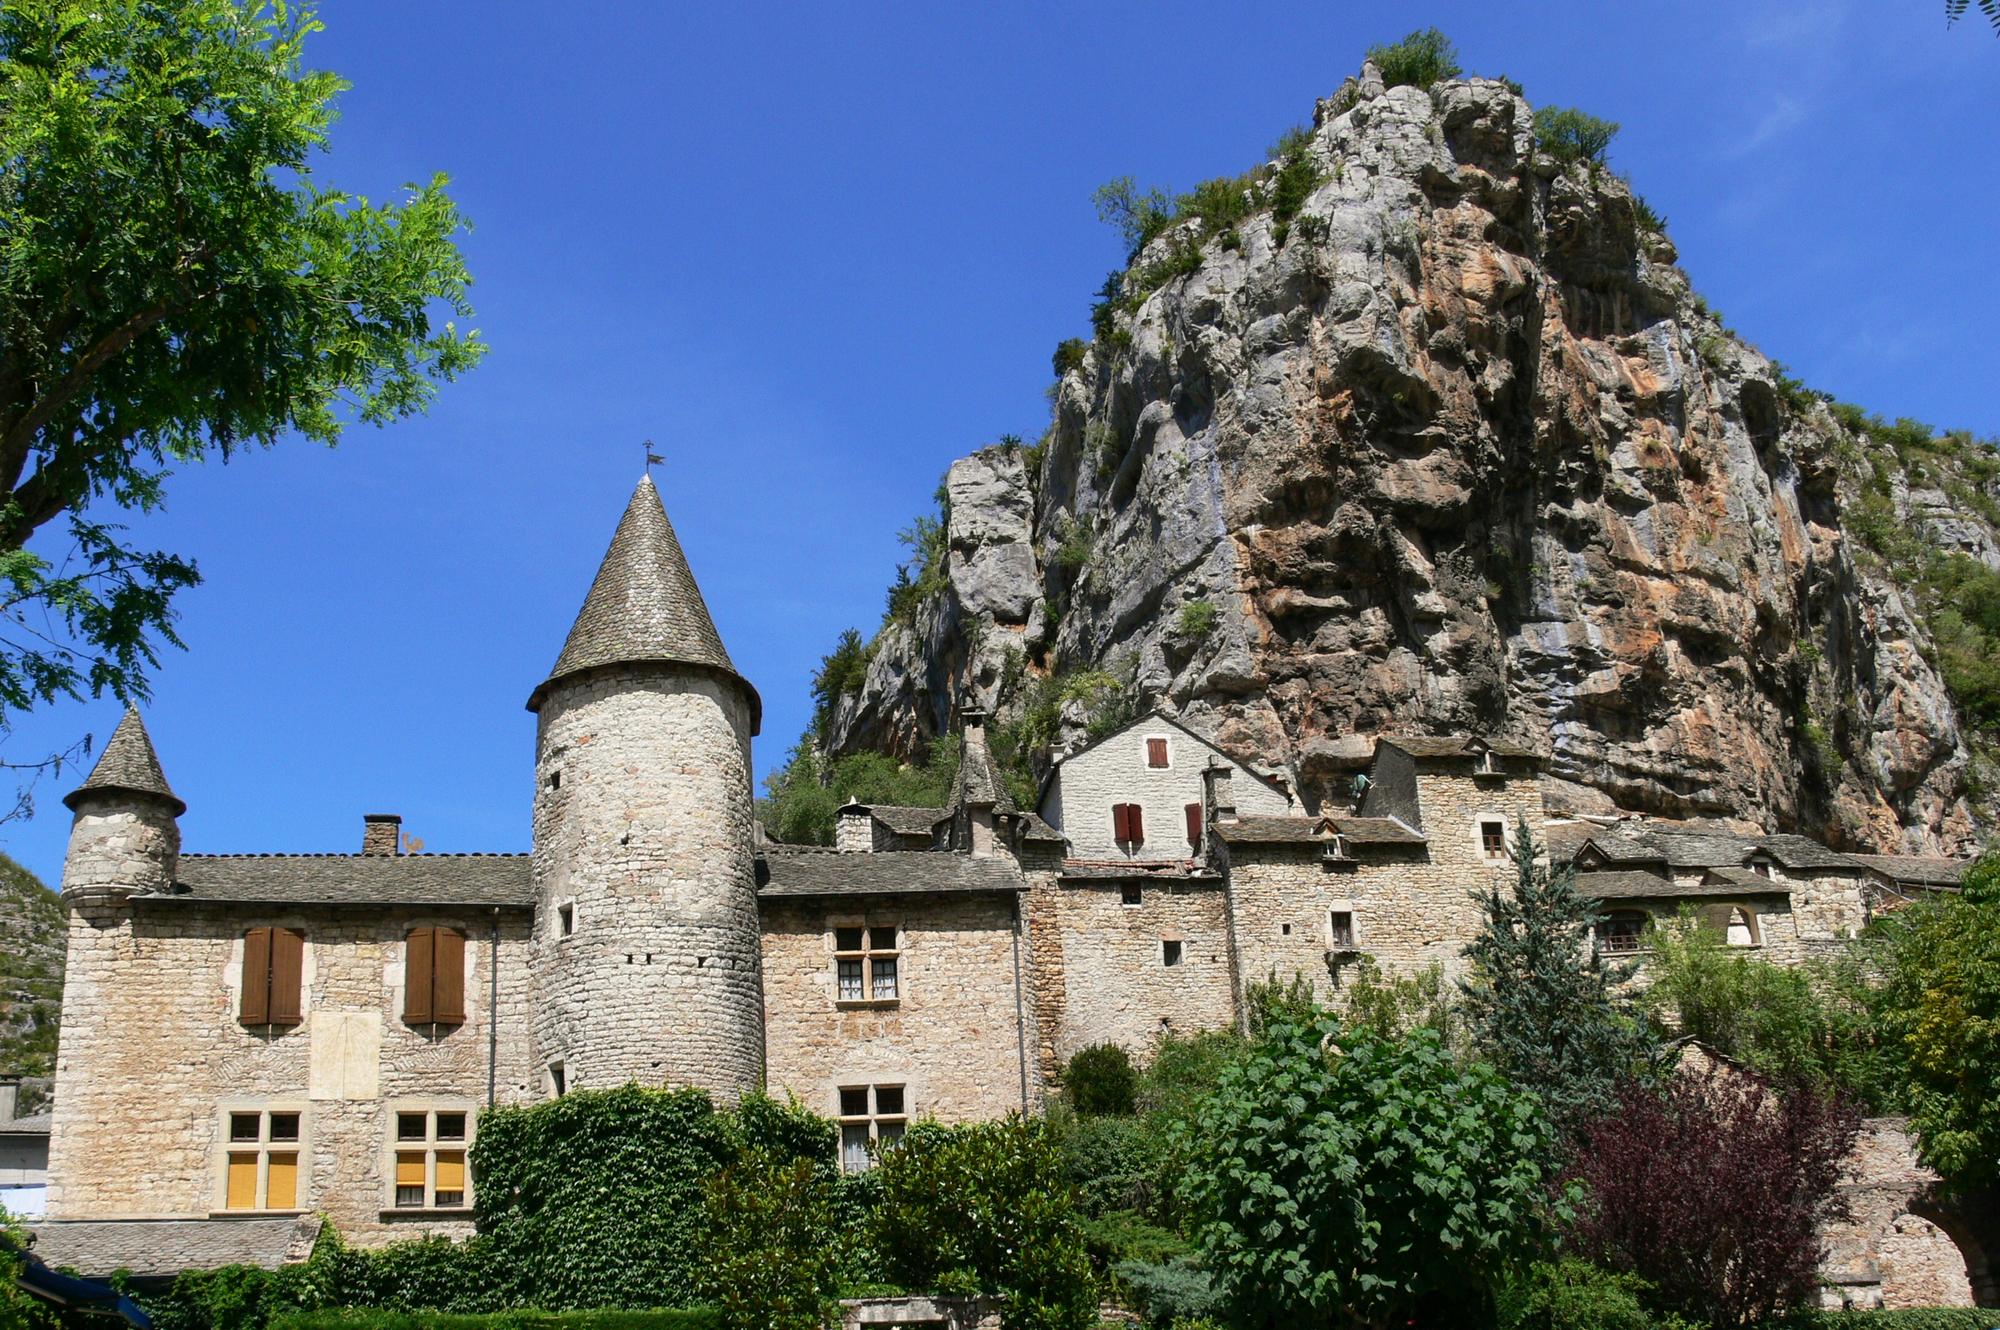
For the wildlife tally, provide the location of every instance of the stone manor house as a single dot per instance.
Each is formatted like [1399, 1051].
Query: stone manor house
[248, 1039]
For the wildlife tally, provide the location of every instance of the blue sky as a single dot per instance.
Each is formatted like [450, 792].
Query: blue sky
[817, 252]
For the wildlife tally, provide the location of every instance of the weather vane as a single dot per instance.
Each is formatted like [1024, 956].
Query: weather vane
[652, 457]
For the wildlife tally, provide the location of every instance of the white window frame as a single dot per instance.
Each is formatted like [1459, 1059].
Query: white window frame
[874, 1122]
[395, 1146]
[1479, 822]
[263, 1147]
[868, 957]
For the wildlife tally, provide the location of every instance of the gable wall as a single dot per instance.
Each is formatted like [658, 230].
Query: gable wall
[1115, 772]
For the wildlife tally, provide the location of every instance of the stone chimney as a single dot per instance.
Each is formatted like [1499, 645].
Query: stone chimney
[1217, 792]
[853, 828]
[973, 722]
[381, 833]
[10, 1097]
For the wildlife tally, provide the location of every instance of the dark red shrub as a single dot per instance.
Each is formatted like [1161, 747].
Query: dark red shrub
[1713, 1188]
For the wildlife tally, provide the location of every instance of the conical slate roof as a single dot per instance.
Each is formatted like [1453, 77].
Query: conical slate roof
[644, 607]
[128, 763]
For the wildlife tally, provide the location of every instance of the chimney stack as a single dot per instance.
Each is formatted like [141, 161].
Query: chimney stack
[1218, 792]
[972, 721]
[10, 1098]
[381, 833]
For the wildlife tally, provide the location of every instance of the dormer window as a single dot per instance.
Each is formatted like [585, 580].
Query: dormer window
[1761, 867]
[1485, 763]
[1156, 752]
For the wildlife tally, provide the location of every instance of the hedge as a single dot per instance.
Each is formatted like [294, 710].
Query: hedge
[663, 1318]
[1916, 1318]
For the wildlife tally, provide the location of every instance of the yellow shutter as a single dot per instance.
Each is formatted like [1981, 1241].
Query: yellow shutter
[409, 1170]
[450, 1170]
[242, 1182]
[281, 1182]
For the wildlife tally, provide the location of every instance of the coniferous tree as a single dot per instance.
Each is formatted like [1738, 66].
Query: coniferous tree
[1539, 1001]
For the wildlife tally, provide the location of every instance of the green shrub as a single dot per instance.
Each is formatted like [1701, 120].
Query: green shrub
[1572, 1295]
[774, 1254]
[1912, 1318]
[1069, 355]
[1073, 550]
[1570, 135]
[1138, 216]
[1424, 57]
[1169, 1292]
[663, 1318]
[1198, 619]
[1099, 1079]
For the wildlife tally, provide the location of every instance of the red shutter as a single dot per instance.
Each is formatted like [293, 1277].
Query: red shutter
[1156, 752]
[257, 977]
[288, 968]
[1194, 825]
[1119, 825]
[448, 977]
[417, 975]
[1138, 826]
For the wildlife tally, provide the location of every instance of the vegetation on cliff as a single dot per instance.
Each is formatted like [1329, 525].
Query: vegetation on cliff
[31, 969]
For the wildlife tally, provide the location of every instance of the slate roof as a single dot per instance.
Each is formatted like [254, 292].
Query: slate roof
[979, 781]
[37, 1125]
[1636, 884]
[906, 821]
[128, 763]
[1267, 830]
[154, 1247]
[1918, 870]
[355, 879]
[796, 871]
[1146, 870]
[1033, 828]
[1440, 746]
[1706, 848]
[644, 606]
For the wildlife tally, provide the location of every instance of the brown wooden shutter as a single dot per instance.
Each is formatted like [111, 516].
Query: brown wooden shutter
[1194, 824]
[1156, 752]
[1121, 822]
[288, 968]
[419, 951]
[257, 977]
[1138, 826]
[448, 977]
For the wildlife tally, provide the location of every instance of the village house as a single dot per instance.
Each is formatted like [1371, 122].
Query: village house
[252, 1039]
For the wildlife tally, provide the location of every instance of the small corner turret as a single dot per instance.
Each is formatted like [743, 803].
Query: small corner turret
[125, 840]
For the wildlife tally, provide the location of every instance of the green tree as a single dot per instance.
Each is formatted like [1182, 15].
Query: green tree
[1570, 135]
[1424, 57]
[18, 1311]
[175, 284]
[774, 1255]
[987, 1208]
[1938, 1011]
[1539, 1002]
[1338, 1178]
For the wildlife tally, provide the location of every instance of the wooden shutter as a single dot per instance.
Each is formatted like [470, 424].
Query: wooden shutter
[288, 968]
[1194, 824]
[419, 952]
[1121, 822]
[1138, 827]
[448, 976]
[1156, 752]
[257, 977]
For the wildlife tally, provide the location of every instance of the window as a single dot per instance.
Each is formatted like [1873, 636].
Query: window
[1170, 952]
[1621, 930]
[434, 976]
[1128, 826]
[871, 1117]
[430, 1152]
[1741, 930]
[1493, 839]
[262, 1167]
[558, 1080]
[1761, 867]
[1340, 929]
[273, 970]
[566, 919]
[1156, 752]
[1129, 894]
[1194, 823]
[555, 780]
[865, 963]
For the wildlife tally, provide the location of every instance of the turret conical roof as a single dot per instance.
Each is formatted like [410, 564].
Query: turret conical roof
[128, 764]
[644, 607]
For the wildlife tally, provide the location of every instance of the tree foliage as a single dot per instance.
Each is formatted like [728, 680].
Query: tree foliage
[1938, 1011]
[986, 1208]
[1099, 1079]
[1954, 10]
[1713, 1189]
[175, 284]
[1570, 135]
[1539, 1002]
[774, 1244]
[801, 796]
[1424, 57]
[1344, 1179]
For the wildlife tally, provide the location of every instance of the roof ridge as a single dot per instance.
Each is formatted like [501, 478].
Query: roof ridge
[345, 854]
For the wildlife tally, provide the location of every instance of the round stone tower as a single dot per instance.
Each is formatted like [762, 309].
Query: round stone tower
[125, 839]
[646, 954]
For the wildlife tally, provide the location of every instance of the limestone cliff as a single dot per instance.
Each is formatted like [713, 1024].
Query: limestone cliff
[31, 967]
[1455, 446]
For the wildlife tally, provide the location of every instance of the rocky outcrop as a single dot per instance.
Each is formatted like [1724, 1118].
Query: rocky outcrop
[1456, 447]
[32, 937]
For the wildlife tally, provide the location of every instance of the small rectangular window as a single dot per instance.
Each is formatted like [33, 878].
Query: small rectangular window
[430, 1159]
[245, 1126]
[410, 1126]
[284, 1126]
[1493, 839]
[1170, 952]
[565, 919]
[256, 1176]
[558, 1080]
[1156, 752]
[1340, 928]
[1129, 894]
[865, 963]
[870, 1116]
[451, 1126]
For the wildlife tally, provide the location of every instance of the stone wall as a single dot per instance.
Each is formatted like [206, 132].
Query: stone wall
[1088, 784]
[953, 1037]
[1900, 1247]
[658, 983]
[152, 1056]
[1100, 973]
